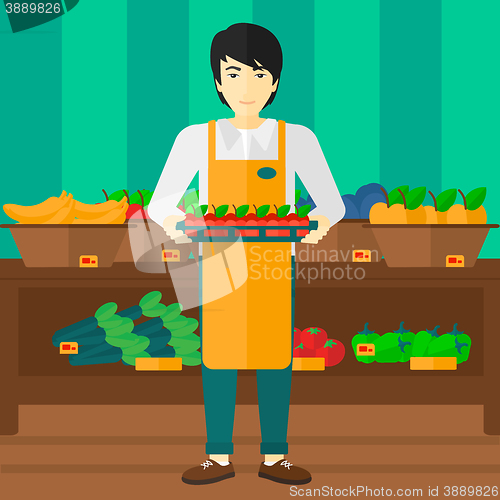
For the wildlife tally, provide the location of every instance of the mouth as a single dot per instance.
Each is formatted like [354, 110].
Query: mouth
[251, 102]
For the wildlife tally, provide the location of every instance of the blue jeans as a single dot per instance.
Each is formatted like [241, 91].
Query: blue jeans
[273, 389]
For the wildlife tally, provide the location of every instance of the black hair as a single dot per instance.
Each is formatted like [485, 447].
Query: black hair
[247, 43]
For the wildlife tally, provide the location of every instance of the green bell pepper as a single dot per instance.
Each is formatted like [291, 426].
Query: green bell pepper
[421, 343]
[387, 349]
[365, 337]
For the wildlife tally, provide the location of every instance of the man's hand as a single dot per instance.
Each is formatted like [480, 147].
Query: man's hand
[317, 234]
[177, 235]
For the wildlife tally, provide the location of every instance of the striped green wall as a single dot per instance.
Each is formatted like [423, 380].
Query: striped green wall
[396, 91]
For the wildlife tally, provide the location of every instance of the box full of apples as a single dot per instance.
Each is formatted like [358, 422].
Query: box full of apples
[444, 234]
[346, 239]
[262, 225]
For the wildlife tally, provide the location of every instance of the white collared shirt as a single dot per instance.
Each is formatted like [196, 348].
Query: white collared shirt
[189, 155]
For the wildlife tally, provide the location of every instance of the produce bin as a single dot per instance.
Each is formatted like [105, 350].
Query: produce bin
[429, 245]
[149, 241]
[340, 242]
[64, 245]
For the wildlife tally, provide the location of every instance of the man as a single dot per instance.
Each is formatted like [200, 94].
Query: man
[247, 160]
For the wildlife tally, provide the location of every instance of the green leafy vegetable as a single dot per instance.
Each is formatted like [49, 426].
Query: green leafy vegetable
[185, 345]
[395, 197]
[446, 199]
[283, 211]
[106, 311]
[156, 311]
[171, 313]
[304, 210]
[150, 300]
[297, 195]
[415, 198]
[242, 210]
[221, 211]
[475, 198]
[189, 327]
[141, 345]
[262, 211]
[191, 199]
[192, 359]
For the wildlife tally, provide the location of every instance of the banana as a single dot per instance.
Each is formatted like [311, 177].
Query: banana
[116, 216]
[65, 216]
[90, 212]
[37, 214]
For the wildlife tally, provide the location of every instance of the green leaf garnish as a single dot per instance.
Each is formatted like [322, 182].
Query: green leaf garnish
[304, 210]
[445, 200]
[395, 197]
[475, 198]
[221, 211]
[263, 210]
[283, 211]
[329, 343]
[415, 198]
[190, 209]
[204, 209]
[242, 210]
[297, 195]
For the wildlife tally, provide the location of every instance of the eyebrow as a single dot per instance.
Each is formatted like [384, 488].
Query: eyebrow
[259, 68]
[233, 67]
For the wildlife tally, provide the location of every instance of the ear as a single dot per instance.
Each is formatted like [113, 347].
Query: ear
[275, 86]
[219, 86]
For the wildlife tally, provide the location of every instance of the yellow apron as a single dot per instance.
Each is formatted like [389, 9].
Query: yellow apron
[246, 290]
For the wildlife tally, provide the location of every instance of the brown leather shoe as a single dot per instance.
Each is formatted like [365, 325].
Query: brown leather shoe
[284, 472]
[208, 472]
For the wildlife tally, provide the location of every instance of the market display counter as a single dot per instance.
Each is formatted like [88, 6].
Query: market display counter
[337, 297]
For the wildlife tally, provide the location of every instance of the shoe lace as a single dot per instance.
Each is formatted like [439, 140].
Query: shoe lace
[206, 464]
[286, 464]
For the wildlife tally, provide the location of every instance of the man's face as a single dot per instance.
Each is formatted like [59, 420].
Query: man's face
[245, 89]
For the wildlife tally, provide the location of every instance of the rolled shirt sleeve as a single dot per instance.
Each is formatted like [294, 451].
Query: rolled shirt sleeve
[309, 162]
[187, 156]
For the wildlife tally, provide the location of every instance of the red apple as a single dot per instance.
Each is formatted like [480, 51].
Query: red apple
[296, 337]
[313, 338]
[333, 351]
[135, 211]
[283, 222]
[291, 217]
[303, 352]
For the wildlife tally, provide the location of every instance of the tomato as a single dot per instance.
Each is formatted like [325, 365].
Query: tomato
[296, 337]
[313, 338]
[301, 352]
[333, 351]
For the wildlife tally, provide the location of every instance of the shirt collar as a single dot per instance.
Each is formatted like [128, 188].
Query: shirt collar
[262, 135]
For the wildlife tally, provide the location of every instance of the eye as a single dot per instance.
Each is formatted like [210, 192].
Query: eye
[260, 75]
[233, 75]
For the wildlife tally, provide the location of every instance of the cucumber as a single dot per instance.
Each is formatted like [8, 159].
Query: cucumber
[123, 341]
[155, 311]
[149, 327]
[126, 327]
[134, 312]
[75, 330]
[92, 339]
[141, 345]
[190, 327]
[159, 342]
[93, 350]
[112, 357]
[150, 300]
[172, 312]
[106, 311]
[165, 352]
[130, 360]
